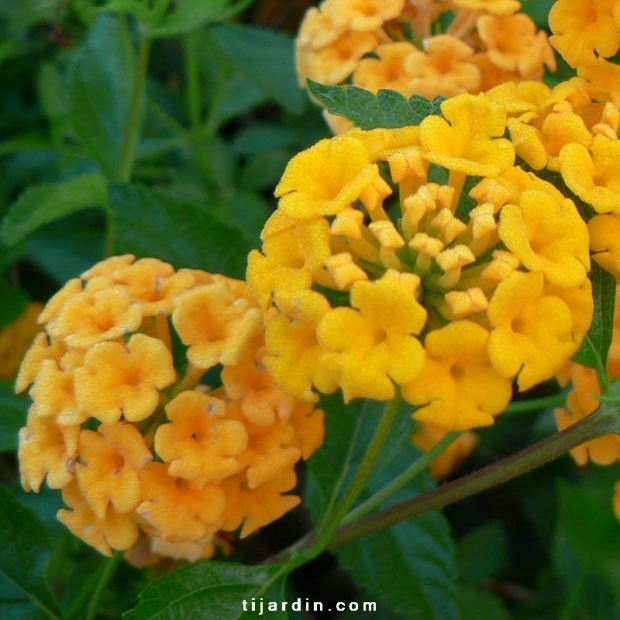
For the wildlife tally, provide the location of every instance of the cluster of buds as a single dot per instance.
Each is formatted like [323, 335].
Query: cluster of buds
[427, 253]
[423, 47]
[149, 393]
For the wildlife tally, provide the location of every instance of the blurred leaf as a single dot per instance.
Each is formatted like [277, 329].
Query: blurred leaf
[595, 347]
[13, 412]
[52, 91]
[263, 171]
[475, 563]
[247, 210]
[591, 532]
[213, 590]
[28, 12]
[192, 14]
[538, 10]
[234, 96]
[99, 91]
[474, 605]
[13, 302]
[154, 222]
[265, 58]
[366, 110]
[24, 554]
[41, 205]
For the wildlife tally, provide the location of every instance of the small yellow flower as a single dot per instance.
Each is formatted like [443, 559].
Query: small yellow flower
[177, 509]
[216, 324]
[362, 15]
[458, 388]
[46, 450]
[124, 379]
[107, 470]
[543, 232]
[328, 177]
[444, 67]
[532, 335]
[200, 443]
[385, 319]
[594, 174]
[468, 138]
[113, 531]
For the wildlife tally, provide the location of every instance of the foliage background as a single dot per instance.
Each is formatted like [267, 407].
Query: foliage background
[121, 133]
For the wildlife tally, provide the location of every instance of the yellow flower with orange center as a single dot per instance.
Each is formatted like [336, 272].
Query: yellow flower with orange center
[409, 276]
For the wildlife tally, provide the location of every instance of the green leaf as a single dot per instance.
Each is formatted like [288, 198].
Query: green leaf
[13, 412]
[410, 567]
[266, 59]
[213, 590]
[43, 204]
[192, 14]
[595, 347]
[366, 110]
[155, 222]
[475, 563]
[99, 91]
[474, 604]
[24, 554]
[13, 302]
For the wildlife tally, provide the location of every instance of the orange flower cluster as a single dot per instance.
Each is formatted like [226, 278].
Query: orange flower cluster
[378, 253]
[402, 45]
[149, 393]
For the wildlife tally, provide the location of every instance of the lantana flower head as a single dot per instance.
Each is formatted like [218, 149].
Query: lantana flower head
[425, 47]
[415, 289]
[123, 424]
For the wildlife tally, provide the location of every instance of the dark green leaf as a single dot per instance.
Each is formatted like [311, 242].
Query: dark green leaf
[13, 302]
[213, 590]
[99, 91]
[265, 58]
[13, 412]
[24, 554]
[475, 563]
[595, 347]
[474, 605]
[41, 205]
[154, 222]
[366, 110]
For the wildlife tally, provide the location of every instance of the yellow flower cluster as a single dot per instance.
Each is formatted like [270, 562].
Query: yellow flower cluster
[16, 338]
[422, 259]
[403, 45]
[149, 393]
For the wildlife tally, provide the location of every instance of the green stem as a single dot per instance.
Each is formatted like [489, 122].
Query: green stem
[570, 607]
[604, 421]
[108, 572]
[133, 126]
[536, 404]
[360, 478]
[401, 480]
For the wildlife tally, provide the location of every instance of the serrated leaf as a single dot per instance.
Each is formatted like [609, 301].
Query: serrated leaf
[265, 58]
[99, 91]
[388, 108]
[43, 204]
[213, 590]
[595, 347]
[155, 222]
[13, 412]
[24, 554]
